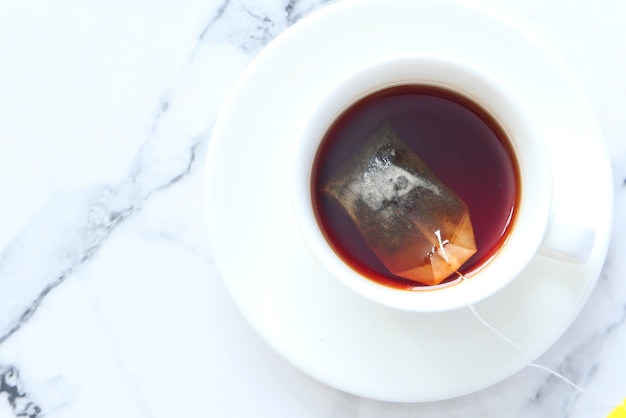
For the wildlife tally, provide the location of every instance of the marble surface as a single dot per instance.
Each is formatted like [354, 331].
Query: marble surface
[110, 302]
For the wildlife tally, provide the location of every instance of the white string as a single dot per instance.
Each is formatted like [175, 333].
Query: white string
[527, 356]
[441, 247]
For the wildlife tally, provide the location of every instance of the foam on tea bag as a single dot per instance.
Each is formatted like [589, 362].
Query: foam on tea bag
[418, 228]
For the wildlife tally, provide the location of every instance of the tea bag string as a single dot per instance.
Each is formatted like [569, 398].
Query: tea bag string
[618, 411]
[529, 363]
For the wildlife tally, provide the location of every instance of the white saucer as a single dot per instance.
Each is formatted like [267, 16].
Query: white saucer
[307, 316]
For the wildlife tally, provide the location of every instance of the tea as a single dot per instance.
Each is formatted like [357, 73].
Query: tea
[458, 140]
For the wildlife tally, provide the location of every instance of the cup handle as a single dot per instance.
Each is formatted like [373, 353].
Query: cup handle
[567, 241]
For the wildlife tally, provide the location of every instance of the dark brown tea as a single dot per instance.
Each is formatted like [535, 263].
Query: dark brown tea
[457, 139]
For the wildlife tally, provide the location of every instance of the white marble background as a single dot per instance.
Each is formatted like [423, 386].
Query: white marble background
[110, 304]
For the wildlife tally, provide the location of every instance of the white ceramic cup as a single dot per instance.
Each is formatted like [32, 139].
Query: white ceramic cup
[535, 228]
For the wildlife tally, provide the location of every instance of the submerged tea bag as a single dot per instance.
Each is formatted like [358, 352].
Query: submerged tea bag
[416, 226]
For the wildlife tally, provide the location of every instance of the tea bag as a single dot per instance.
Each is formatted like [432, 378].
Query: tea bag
[418, 228]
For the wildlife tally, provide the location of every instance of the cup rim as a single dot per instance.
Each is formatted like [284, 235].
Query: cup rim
[515, 118]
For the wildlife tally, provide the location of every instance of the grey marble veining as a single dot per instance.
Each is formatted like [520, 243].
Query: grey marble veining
[252, 25]
[11, 387]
